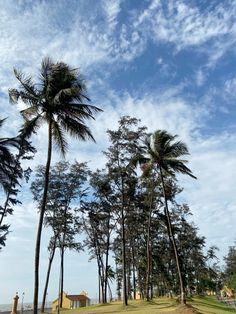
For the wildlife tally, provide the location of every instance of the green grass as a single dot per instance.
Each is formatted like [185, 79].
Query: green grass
[137, 307]
[200, 305]
[209, 305]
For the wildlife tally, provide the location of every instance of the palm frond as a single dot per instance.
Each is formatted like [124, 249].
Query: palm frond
[180, 167]
[30, 126]
[59, 138]
[176, 149]
[26, 84]
[77, 129]
[46, 67]
[14, 95]
[165, 152]
[89, 109]
[2, 122]
[69, 93]
[80, 112]
[30, 111]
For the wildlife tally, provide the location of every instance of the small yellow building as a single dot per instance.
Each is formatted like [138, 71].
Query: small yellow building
[72, 301]
[227, 292]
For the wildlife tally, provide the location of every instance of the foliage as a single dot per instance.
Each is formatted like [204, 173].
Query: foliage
[11, 173]
[66, 189]
[230, 267]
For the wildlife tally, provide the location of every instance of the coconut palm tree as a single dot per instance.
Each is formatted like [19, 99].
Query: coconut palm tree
[164, 153]
[59, 100]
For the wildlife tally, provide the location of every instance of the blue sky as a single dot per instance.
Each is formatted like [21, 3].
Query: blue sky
[170, 63]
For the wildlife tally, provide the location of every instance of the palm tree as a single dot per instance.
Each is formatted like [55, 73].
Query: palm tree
[60, 101]
[164, 153]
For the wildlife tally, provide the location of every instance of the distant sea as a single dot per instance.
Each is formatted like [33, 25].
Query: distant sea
[29, 306]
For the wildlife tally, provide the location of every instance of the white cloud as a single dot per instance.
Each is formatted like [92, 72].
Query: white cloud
[212, 196]
[212, 159]
[187, 26]
[200, 77]
[97, 41]
[112, 10]
[80, 37]
[230, 86]
[83, 39]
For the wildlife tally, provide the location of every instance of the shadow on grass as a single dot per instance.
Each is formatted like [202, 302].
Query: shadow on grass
[160, 303]
[215, 307]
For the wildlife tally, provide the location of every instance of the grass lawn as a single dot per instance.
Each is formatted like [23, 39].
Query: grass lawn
[209, 305]
[204, 305]
[136, 307]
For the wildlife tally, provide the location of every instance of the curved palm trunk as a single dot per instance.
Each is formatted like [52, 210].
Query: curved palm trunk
[172, 239]
[47, 277]
[40, 223]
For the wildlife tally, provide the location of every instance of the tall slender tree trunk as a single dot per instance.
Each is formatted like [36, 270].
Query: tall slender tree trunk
[118, 282]
[129, 285]
[47, 277]
[101, 271]
[148, 248]
[62, 251]
[148, 252]
[107, 259]
[102, 279]
[134, 278]
[110, 292]
[62, 275]
[172, 239]
[125, 299]
[99, 286]
[59, 293]
[41, 216]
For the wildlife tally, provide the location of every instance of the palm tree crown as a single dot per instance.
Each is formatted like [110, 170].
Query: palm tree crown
[165, 152]
[58, 100]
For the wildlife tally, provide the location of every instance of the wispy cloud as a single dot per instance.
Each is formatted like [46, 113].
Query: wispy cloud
[104, 40]
[187, 26]
[230, 86]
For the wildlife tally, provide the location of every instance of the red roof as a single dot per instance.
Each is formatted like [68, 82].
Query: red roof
[77, 297]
